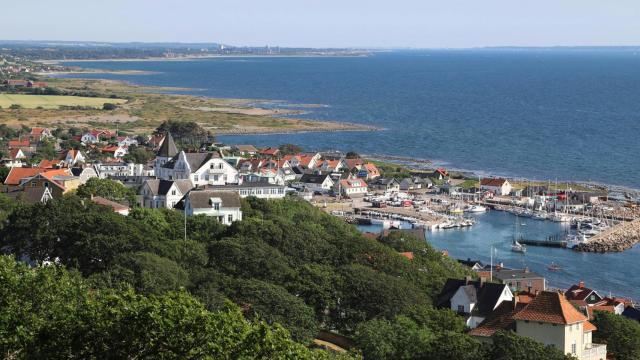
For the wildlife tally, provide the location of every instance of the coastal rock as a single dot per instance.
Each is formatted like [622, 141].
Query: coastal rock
[619, 238]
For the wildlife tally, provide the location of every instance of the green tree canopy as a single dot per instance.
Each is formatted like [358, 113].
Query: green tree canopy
[621, 335]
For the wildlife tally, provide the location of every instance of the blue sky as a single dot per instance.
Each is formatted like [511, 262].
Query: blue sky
[326, 23]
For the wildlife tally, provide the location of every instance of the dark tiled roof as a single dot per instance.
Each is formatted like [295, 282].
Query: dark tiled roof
[487, 294]
[199, 199]
[313, 178]
[631, 313]
[515, 274]
[576, 292]
[168, 148]
[161, 187]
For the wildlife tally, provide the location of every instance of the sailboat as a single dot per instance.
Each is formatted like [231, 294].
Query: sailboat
[554, 267]
[516, 246]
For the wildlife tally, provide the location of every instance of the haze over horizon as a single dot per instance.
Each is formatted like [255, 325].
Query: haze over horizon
[332, 23]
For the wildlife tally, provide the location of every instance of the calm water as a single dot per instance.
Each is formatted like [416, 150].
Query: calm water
[538, 114]
[615, 273]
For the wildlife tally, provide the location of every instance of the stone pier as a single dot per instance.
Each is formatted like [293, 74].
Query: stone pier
[619, 238]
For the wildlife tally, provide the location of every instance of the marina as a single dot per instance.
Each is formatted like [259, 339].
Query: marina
[608, 273]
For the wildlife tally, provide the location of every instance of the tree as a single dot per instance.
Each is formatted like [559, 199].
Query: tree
[138, 155]
[4, 171]
[509, 346]
[290, 149]
[621, 335]
[48, 312]
[106, 188]
[186, 132]
[352, 155]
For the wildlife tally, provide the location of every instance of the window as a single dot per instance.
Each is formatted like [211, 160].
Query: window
[230, 218]
[574, 348]
[173, 192]
[216, 206]
[460, 308]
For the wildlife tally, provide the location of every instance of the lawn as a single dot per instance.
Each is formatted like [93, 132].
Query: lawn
[53, 101]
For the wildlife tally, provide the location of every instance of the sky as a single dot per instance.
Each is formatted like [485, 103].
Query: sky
[329, 23]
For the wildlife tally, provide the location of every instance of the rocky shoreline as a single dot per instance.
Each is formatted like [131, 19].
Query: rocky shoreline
[620, 238]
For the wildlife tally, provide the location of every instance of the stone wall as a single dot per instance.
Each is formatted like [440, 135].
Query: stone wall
[619, 238]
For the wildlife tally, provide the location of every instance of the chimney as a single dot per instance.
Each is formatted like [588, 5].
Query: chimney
[581, 284]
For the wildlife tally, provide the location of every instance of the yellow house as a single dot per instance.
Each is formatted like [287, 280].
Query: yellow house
[552, 320]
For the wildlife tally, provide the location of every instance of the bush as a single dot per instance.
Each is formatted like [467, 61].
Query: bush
[15, 106]
[109, 106]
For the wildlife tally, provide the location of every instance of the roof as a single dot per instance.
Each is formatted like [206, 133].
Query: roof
[371, 168]
[196, 160]
[18, 173]
[631, 313]
[588, 326]
[19, 143]
[112, 204]
[500, 319]
[199, 199]
[34, 195]
[354, 163]
[50, 164]
[486, 294]
[470, 263]
[168, 148]
[313, 178]
[13, 154]
[578, 292]
[37, 131]
[270, 151]
[492, 182]
[161, 187]
[516, 274]
[246, 148]
[551, 307]
[351, 183]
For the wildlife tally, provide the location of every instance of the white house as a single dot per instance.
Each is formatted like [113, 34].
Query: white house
[475, 300]
[552, 320]
[261, 188]
[119, 168]
[95, 136]
[163, 193]
[317, 183]
[16, 158]
[167, 151]
[223, 205]
[126, 141]
[353, 187]
[496, 185]
[74, 157]
[201, 168]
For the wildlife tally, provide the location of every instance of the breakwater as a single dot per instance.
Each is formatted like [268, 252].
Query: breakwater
[619, 238]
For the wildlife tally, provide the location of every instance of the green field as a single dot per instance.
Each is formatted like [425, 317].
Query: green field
[53, 101]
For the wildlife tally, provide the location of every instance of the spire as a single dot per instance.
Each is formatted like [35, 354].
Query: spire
[168, 148]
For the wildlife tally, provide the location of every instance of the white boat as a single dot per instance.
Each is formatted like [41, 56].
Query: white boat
[540, 215]
[475, 209]
[517, 247]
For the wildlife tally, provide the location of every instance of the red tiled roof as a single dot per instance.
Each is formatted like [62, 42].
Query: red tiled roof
[500, 319]
[49, 164]
[352, 183]
[605, 308]
[37, 131]
[19, 143]
[588, 326]
[18, 173]
[270, 151]
[492, 182]
[442, 171]
[551, 307]
[13, 154]
[112, 204]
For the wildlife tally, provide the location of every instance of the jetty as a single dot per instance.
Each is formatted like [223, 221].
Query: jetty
[616, 239]
[546, 243]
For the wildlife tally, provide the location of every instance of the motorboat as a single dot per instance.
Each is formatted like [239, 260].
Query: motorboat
[554, 267]
[476, 209]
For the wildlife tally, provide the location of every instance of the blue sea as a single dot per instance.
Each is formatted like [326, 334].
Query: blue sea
[540, 114]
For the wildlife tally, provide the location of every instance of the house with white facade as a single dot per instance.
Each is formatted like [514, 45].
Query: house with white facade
[223, 205]
[352, 187]
[115, 168]
[475, 300]
[261, 188]
[156, 193]
[317, 183]
[73, 157]
[201, 168]
[497, 186]
[16, 158]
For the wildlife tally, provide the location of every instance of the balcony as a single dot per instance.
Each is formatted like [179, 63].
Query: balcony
[594, 352]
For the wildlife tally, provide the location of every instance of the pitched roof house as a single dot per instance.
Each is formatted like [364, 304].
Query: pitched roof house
[497, 186]
[317, 183]
[116, 207]
[157, 193]
[581, 295]
[475, 300]
[223, 205]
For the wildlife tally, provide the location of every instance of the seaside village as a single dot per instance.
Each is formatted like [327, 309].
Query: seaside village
[213, 179]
